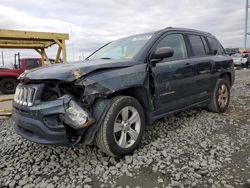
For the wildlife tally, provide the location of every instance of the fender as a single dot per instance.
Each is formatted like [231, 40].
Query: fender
[100, 109]
[9, 74]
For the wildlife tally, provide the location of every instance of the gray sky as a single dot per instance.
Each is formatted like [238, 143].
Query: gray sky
[92, 23]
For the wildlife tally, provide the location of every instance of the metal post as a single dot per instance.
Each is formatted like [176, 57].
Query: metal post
[19, 61]
[64, 51]
[246, 24]
[2, 59]
[15, 64]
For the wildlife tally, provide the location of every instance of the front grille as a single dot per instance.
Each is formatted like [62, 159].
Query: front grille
[26, 94]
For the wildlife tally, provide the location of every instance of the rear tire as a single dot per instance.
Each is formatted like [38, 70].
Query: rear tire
[220, 97]
[122, 129]
[8, 85]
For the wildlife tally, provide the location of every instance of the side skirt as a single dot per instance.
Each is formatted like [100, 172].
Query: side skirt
[202, 103]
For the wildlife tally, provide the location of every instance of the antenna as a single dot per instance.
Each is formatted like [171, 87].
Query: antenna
[246, 24]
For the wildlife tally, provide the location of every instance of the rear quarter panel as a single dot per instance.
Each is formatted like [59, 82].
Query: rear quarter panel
[222, 64]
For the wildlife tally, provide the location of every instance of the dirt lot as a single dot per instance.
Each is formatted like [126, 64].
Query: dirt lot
[194, 148]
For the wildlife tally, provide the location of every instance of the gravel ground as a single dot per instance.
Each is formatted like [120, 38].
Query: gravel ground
[194, 148]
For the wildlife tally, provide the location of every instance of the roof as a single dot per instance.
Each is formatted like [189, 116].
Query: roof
[185, 29]
[29, 39]
[38, 41]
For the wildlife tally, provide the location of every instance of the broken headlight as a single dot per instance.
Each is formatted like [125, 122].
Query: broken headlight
[77, 115]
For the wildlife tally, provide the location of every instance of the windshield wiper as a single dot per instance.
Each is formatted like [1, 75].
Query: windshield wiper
[105, 58]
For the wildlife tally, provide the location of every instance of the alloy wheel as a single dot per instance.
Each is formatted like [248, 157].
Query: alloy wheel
[223, 95]
[127, 127]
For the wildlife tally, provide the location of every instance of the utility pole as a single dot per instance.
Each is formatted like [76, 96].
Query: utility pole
[246, 24]
[2, 59]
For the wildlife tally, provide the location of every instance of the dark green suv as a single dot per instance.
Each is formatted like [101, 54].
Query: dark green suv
[122, 87]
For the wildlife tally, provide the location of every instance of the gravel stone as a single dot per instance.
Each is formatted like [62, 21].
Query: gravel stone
[87, 186]
[178, 176]
[12, 184]
[17, 177]
[87, 180]
[194, 148]
[50, 185]
[228, 186]
[23, 182]
[160, 180]
[128, 159]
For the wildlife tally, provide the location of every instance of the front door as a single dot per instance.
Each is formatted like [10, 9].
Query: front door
[203, 63]
[174, 76]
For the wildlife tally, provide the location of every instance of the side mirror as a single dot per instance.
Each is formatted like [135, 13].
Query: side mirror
[162, 53]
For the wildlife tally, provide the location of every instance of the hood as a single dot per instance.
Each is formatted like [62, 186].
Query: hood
[74, 70]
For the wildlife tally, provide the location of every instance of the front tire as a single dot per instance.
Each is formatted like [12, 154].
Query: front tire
[122, 129]
[220, 96]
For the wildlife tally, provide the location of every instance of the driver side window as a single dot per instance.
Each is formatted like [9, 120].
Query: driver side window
[177, 43]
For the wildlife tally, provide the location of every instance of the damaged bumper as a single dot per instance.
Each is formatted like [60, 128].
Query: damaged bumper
[49, 122]
[41, 123]
[37, 131]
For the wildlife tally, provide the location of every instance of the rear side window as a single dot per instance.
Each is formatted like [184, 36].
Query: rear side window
[197, 45]
[205, 45]
[176, 42]
[215, 45]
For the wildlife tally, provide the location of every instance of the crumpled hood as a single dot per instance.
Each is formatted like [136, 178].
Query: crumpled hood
[74, 70]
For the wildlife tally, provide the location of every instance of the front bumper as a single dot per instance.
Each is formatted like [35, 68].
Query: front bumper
[41, 123]
[48, 122]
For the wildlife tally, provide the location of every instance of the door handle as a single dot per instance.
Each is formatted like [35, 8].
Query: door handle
[188, 65]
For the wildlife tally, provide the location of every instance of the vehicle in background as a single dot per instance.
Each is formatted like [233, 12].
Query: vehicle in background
[231, 51]
[8, 76]
[241, 60]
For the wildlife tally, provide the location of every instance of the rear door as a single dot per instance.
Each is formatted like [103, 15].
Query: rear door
[201, 59]
[174, 76]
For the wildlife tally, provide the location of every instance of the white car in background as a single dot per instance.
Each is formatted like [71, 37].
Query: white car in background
[241, 59]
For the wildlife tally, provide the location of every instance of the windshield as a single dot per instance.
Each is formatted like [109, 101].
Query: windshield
[125, 48]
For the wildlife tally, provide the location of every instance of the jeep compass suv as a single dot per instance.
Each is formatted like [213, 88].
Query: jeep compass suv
[123, 86]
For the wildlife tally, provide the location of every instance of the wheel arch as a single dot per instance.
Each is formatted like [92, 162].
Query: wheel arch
[2, 77]
[228, 76]
[102, 105]
[140, 93]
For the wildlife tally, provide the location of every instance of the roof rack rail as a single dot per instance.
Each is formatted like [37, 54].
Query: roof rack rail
[168, 28]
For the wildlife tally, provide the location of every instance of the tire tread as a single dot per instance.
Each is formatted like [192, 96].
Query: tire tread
[101, 137]
[212, 106]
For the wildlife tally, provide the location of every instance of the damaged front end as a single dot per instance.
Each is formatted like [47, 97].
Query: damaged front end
[61, 113]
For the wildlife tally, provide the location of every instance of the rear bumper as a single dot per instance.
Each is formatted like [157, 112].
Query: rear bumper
[40, 124]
